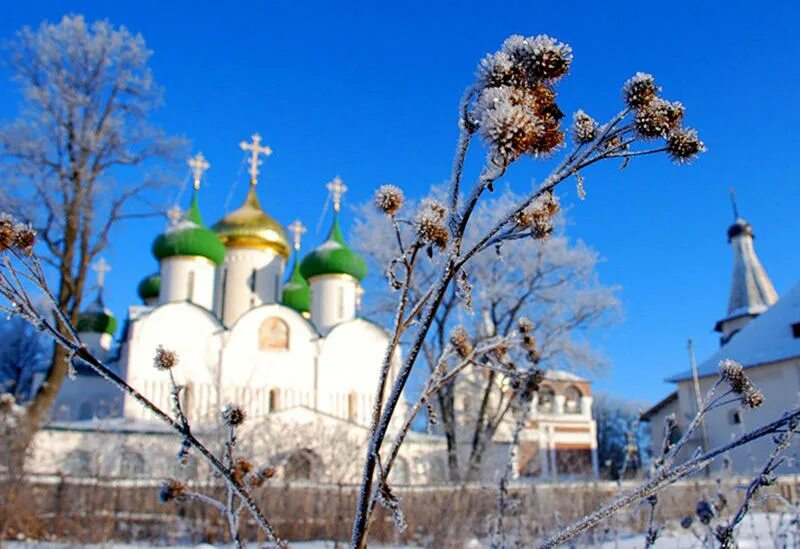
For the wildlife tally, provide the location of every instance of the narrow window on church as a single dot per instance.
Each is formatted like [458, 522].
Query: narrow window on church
[277, 285]
[253, 281]
[341, 303]
[352, 406]
[223, 286]
[274, 400]
[190, 287]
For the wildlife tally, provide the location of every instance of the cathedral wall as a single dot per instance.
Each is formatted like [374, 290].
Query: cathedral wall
[269, 362]
[333, 300]
[187, 279]
[196, 336]
[248, 278]
[350, 359]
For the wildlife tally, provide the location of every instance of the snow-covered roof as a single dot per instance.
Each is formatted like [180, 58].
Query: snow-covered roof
[765, 339]
[562, 375]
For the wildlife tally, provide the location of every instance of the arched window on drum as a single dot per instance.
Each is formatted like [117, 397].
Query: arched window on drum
[572, 400]
[547, 400]
[273, 334]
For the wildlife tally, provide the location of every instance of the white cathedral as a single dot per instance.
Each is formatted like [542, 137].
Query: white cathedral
[292, 350]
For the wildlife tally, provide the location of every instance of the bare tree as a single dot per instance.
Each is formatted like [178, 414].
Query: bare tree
[79, 153]
[620, 443]
[552, 282]
[23, 352]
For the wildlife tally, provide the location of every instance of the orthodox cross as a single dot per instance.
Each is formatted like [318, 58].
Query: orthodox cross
[255, 149]
[101, 268]
[297, 229]
[337, 189]
[174, 214]
[733, 201]
[199, 165]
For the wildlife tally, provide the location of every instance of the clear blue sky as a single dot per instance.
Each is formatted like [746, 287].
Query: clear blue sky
[370, 92]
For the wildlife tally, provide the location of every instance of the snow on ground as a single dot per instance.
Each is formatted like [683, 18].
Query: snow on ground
[757, 531]
[292, 545]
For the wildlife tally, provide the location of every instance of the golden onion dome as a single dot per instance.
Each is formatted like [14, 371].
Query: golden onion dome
[251, 227]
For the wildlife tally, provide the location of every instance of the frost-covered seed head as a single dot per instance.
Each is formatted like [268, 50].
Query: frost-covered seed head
[389, 199]
[524, 325]
[686, 522]
[733, 373]
[430, 223]
[165, 359]
[639, 90]
[684, 146]
[459, 339]
[539, 216]
[584, 127]
[172, 490]
[7, 232]
[508, 121]
[541, 58]
[233, 415]
[657, 118]
[499, 69]
[753, 398]
[25, 238]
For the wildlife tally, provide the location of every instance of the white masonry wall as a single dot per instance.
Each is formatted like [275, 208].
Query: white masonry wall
[333, 300]
[187, 278]
[238, 290]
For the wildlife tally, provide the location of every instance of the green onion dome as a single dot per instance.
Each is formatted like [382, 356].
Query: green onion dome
[149, 287]
[333, 257]
[296, 293]
[97, 319]
[190, 237]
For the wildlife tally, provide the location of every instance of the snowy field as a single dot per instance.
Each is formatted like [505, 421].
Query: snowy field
[757, 531]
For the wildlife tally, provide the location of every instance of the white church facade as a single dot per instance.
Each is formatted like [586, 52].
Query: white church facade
[292, 350]
[760, 331]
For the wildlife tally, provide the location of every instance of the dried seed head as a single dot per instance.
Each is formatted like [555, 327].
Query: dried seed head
[7, 232]
[25, 238]
[389, 199]
[508, 122]
[539, 216]
[233, 415]
[524, 325]
[639, 90]
[684, 145]
[430, 223]
[172, 490]
[164, 359]
[240, 469]
[753, 398]
[539, 58]
[686, 522]
[705, 511]
[657, 118]
[584, 127]
[499, 69]
[733, 373]
[459, 339]
[261, 476]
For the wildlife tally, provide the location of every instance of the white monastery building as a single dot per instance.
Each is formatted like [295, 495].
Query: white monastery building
[760, 331]
[255, 323]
